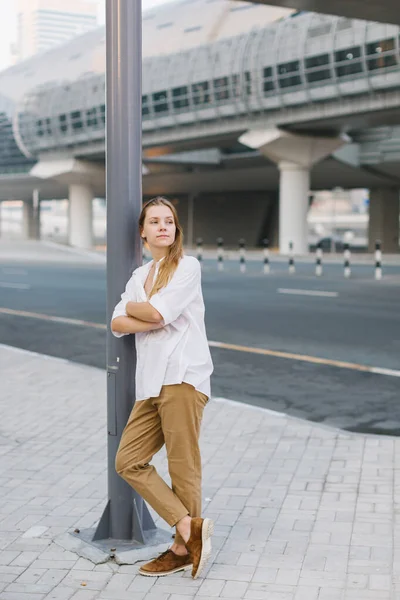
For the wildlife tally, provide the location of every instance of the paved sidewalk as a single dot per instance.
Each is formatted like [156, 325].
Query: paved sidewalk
[302, 511]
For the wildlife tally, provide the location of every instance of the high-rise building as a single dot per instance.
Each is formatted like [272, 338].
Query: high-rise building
[43, 24]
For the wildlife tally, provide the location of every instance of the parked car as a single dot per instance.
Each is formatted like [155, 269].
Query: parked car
[331, 243]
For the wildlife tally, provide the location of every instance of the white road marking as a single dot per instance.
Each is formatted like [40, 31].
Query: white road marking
[295, 292]
[223, 346]
[42, 317]
[15, 286]
[13, 271]
[306, 358]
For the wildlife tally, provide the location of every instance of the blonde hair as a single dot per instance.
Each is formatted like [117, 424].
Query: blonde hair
[175, 251]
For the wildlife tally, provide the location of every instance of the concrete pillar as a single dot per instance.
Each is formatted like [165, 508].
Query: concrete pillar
[31, 219]
[293, 207]
[384, 219]
[80, 215]
[295, 155]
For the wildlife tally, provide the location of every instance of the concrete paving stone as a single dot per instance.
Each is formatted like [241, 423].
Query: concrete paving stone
[21, 596]
[263, 594]
[380, 582]
[52, 576]
[159, 595]
[85, 595]
[329, 594]
[170, 588]
[281, 561]
[104, 595]
[249, 559]
[31, 575]
[180, 597]
[227, 558]
[60, 593]
[211, 588]
[264, 575]
[142, 584]
[234, 573]
[8, 574]
[54, 564]
[93, 580]
[287, 576]
[83, 564]
[367, 595]
[26, 588]
[306, 593]
[7, 557]
[234, 589]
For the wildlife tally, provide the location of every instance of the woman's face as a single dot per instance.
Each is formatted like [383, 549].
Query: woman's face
[159, 227]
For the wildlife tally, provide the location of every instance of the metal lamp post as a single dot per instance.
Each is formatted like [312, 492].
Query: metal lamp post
[126, 517]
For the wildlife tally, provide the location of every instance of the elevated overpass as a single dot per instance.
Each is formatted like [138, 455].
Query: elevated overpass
[384, 11]
[228, 96]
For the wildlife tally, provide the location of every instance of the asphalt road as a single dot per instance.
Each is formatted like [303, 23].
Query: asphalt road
[357, 321]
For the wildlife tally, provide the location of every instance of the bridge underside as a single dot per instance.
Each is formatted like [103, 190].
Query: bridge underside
[383, 11]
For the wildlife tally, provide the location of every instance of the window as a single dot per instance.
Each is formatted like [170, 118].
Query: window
[39, 127]
[160, 102]
[91, 117]
[103, 113]
[349, 61]
[383, 53]
[287, 74]
[221, 88]
[180, 97]
[317, 68]
[63, 123]
[268, 80]
[76, 119]
[237, 88]
[145, 106]
[200, 93]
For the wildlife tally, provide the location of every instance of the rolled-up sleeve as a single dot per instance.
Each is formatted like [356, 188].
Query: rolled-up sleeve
[120, 309]
[184, 286]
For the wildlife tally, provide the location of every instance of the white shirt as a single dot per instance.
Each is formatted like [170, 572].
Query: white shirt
[178, 352]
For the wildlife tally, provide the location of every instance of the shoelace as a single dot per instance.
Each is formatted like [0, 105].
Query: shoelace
[164, 554]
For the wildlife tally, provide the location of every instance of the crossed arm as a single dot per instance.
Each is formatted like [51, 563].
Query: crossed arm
[164, 307]
[141, 317]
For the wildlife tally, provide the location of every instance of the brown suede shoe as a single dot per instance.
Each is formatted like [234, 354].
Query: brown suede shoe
[167, 563]
[199, 543]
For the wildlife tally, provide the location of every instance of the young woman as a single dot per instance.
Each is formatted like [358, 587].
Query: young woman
[163, 306]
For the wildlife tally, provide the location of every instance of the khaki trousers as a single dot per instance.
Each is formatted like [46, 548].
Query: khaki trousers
[173, 419]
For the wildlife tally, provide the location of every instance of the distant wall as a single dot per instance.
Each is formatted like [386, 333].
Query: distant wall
[248, 215]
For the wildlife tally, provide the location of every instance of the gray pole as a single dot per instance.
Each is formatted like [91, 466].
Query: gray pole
[125, 517]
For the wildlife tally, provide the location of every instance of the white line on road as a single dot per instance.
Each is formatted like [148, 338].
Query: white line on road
[42, 317]
[15, 286]
[307, 292]
[13, 271]
[223, 346]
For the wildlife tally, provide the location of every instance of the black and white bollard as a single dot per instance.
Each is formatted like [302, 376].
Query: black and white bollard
[199, 243]
[220, 254]
[347, 256]
[292, 268]
[266, 257]
[378, 260]
[242, 255]
[318, 262]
